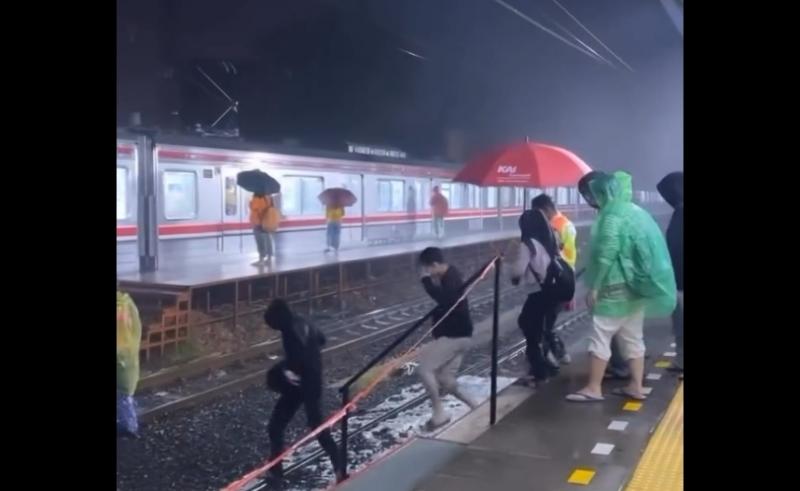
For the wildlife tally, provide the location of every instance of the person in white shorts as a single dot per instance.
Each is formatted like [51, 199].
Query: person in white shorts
[440, 359]
[629, 274]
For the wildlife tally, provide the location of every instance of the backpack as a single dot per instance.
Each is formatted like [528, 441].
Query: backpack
[559, 281]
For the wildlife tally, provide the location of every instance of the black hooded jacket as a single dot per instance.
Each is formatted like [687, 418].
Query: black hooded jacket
[671, 189]
[302, 345]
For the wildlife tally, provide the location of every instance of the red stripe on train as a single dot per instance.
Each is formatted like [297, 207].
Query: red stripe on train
[199, 228]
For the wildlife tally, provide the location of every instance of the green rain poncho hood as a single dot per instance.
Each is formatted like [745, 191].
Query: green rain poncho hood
[629, 264]
[129, 338]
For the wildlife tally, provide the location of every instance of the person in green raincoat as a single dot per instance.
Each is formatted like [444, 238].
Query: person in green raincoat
[129, 335]
[630, 277]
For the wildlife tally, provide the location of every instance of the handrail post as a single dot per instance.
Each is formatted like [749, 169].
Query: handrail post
[495, 336]
[343, 450]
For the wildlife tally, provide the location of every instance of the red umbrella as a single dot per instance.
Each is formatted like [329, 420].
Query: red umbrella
[337, 197]
[525, 164]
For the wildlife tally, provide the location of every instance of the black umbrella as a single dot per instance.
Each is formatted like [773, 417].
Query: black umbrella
[258, 182]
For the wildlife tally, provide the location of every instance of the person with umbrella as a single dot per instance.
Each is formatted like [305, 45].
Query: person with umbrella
[264, 218]
[566, 235]
[335, 200]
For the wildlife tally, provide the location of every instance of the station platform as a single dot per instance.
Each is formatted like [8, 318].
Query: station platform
[220, 269]
[542, 442]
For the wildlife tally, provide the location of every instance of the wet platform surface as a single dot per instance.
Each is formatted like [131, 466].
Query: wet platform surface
[222, 269]
[545, 441]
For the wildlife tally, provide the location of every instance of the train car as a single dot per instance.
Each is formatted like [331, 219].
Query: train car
[201, 210]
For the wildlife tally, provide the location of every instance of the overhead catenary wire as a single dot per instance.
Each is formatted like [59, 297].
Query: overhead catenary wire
[547, 30]
[578, 40]
[589, 32]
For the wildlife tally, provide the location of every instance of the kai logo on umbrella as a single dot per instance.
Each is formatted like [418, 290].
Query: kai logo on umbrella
[507, 169]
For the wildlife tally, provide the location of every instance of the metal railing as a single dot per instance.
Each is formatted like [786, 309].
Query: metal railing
[345, 389]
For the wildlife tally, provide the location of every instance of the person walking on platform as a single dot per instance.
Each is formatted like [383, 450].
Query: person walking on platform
[129, 338]
[630, 276]
[440, 359]
[566, 234]
[298, 380]
[538, 247]
[334, 215]
[617, 366]
[671, 189]
[439, 210]
[264, 217]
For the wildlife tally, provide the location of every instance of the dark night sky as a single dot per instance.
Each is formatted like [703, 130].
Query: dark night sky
[327, 71]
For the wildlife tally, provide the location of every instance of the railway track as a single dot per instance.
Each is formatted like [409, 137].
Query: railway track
[355, 333]
[480, 368]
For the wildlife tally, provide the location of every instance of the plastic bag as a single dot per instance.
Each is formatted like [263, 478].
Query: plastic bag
[129, 339]
[127, 421]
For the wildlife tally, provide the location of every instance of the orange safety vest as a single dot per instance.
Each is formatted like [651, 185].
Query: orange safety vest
[567, 234]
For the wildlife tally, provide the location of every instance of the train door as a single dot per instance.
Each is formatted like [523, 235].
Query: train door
[234, 213]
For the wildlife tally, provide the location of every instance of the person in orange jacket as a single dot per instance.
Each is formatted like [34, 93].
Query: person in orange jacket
[264, 218]
[439, 209]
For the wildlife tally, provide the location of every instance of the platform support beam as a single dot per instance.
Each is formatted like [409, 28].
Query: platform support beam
[146, 214]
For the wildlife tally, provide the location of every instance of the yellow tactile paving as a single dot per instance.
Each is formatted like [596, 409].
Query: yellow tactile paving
[661, 466]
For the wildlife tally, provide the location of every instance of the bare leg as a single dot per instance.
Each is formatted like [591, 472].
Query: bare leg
[637, 374]
[597, 367]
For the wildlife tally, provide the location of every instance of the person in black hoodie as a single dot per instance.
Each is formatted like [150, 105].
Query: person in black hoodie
[671, 189]
[298, 380]
[440, 359]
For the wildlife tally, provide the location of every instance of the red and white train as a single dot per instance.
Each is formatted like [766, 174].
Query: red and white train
[201, 210]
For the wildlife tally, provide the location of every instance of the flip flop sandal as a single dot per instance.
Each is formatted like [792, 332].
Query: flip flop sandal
[580, 397]
[620, 391]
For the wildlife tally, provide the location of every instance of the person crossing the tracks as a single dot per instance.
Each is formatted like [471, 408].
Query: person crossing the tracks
[566, 235]
[298, 380]
[439, 209]
[538, 247]
[264, 217]
[440, 359]
[671, 189]
[334, 216]
[629, 275]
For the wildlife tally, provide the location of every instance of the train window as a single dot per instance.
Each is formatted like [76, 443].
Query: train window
[391, 195]
[299, 195]
[519, 196]
[456, 195]
[446, 192]
[473, 196]
[230, 196]
[122, 193]
[562, 196]
[505, 197]
[180, 195]
[491, 197]
[423, 190]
